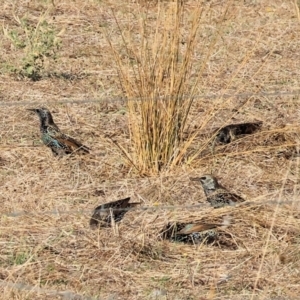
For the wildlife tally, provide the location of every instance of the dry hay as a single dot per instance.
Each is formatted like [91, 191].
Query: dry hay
[47, 203]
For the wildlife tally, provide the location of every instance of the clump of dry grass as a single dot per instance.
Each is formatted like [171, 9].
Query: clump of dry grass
[159, 81]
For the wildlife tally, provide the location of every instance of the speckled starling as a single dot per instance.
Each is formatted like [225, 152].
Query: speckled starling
[231, 132]
[52, 137]
[103, 214]
[216, 194]
[190, 233]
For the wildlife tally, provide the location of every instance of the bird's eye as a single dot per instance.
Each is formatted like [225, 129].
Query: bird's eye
[203, 178]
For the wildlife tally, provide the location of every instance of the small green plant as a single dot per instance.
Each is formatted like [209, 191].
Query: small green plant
[20, 258]
[38, 41]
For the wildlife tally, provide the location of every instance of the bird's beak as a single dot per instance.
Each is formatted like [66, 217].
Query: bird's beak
[194, 178]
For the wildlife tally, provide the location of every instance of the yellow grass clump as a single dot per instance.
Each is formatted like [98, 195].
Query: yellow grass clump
[159, 79]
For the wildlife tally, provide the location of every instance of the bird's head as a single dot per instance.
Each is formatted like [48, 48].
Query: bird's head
[44, 115]
[208, 181]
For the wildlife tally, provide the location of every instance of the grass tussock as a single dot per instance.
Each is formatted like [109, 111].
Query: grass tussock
[159, 79]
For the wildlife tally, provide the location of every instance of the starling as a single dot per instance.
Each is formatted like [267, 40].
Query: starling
[53, 138]
[103, 213]
[231, 132]
[193, 233]
[217, 195]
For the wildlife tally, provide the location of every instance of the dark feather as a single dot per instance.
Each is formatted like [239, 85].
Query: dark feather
[231, 132]
[193, 233]
[116, 209]
[222, 197]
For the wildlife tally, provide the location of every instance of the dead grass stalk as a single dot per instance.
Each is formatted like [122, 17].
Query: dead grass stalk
[155, 76]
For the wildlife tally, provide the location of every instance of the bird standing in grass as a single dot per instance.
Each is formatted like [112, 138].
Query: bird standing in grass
[104, 213]
[52, 137]
[231, 132]
[216, 194]
[194, 233]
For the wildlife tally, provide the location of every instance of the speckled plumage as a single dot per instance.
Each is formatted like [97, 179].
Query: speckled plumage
[190, 233]
[103, 213]
[52, 137]
[231, 132]
[216, 194]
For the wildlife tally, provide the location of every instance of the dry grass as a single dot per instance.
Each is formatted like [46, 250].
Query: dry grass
[155, 76]
[48, 250]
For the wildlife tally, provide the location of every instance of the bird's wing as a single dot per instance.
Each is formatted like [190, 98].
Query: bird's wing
[122, 203]
[118, 204]
[53, 131]
[72, 143]
[122, 206]
[103, 211]
[222, 192]
[197, 227]
[51, 141]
